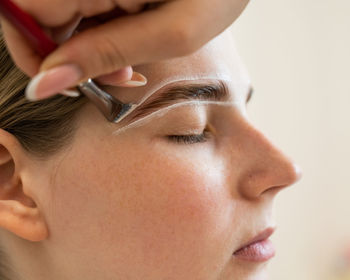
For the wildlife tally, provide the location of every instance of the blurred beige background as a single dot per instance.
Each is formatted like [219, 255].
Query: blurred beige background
[298, 55]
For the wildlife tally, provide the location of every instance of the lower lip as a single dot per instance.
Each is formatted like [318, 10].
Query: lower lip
[257, 252]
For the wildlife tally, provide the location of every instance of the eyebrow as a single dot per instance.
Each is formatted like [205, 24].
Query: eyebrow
[214, 91]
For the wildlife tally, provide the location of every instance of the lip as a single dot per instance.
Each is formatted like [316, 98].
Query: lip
[257, 249]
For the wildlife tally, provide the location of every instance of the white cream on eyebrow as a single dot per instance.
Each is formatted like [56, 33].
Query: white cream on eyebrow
[161, 112]
[160, 84]
[170, 80]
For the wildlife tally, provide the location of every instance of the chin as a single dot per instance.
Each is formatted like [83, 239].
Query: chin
[247, 271]
[259, 273]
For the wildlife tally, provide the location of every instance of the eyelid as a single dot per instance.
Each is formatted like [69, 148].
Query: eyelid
[190, 138]
[161, 112]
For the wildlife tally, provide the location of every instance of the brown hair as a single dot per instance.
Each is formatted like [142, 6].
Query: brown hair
[42, 128]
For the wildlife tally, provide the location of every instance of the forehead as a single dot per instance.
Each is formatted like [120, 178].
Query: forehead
[218, 59]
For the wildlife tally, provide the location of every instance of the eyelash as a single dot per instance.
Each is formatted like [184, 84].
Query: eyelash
[189, 139]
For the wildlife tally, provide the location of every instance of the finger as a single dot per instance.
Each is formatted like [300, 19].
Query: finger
[120, 79]
[137, 5]
[21, 51]
[133, 7]
[117, 77]
[141, 38]
[137, 80]
[62, 33]
[124, 41]
[53, 13]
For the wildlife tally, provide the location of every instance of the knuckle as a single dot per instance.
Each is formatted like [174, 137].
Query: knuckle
[110, 54]
[96, 57]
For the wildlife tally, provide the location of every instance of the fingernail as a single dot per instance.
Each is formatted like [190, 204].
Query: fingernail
[137, 80]
[53, 81]
[70, 93]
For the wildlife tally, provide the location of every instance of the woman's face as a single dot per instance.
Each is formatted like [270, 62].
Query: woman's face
[152, 203]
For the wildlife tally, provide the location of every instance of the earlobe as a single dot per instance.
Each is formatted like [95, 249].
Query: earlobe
[24, 221]
[19, 213]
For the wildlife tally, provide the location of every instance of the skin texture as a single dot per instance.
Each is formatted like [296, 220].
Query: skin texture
[138, 206]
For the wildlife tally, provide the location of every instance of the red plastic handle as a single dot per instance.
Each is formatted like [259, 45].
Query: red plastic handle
[29, 28]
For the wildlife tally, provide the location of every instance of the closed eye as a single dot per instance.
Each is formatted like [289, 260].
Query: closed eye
[189, 139]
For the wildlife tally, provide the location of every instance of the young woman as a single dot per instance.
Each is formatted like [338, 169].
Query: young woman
[185, 194]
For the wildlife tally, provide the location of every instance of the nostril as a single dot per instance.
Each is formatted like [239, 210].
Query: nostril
[294, 175]
[274, 190]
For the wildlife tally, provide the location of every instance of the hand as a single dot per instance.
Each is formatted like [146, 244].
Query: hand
[108, 41]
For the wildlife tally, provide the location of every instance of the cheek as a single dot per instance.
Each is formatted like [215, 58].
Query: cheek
[143, 206]
[182, 204]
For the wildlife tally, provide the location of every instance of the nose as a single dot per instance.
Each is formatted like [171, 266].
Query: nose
[264, 170]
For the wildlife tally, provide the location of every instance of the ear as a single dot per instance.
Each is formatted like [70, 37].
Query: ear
[19, 213]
